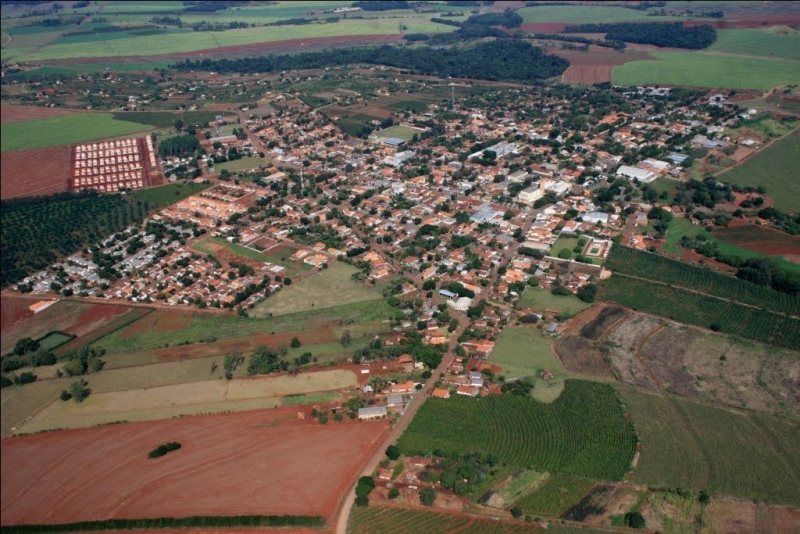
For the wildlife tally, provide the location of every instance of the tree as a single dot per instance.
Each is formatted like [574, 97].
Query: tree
[587, 293]
[427, 496]
[295, 343]
[449, 479]
[346, 338]
[78, 390]
[393, 452]
[634, 520]
[704, 498]
[516, 512]
[394, 493]
[565, 254]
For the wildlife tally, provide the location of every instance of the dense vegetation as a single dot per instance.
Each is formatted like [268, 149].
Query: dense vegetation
[701, 310]
[583, 432]
[663, 34]
[33, 235]
[505, 59]
[174, 522]
[162, 450]
[654, 267]
[180, 145]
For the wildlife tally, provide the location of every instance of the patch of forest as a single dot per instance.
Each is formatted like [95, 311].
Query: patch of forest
[663, 34]
[501, 60]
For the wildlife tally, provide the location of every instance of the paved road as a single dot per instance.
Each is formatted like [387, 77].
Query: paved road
[411, 410]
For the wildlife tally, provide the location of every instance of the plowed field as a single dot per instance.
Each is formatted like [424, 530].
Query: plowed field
[41, 171]
[25, 113]
[252, 463]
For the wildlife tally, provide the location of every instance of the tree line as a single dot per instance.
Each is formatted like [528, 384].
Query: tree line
[663, 34]
[508, 59]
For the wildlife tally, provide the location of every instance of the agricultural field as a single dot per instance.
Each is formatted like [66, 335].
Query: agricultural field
[580, 14]
[393, 520]
[558, 493]
[42, 171]
[180, 399]
[704, 311]
[583, 432]
[758, 42]
[164, 195]
[64, 130]
[26, 113]
[697, 69]
[166, 119]
[315, 326]
[525, 352]
[759, 239]
[693, 446]
[540, 299]
[253, 463]
[327, 288]
[650, 352]
[774, 168]
[654, 267]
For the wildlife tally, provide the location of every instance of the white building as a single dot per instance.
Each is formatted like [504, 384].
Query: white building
[635, 173]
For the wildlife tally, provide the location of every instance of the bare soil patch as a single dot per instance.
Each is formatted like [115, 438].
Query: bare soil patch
[41, 171]
[624, 343]
[26, 113]
[13, 310]
[160, 321]
[582, 356]
[251, 463]
[595, 328]
[595, 66]
[758, 238]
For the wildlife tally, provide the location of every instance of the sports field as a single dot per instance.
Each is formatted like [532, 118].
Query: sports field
[64, 130]
[776, 169]
[692, 446]
[700, 69]
[758, 42]
[329, 287]
[541, 299]
[400, 132]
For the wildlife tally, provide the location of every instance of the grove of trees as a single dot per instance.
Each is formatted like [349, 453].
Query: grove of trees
[663, 34]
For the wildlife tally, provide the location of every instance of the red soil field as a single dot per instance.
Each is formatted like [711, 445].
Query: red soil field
[749, 21]
[264, 462]
[159, 320]
[94, 317]
[758, 238]
[595, 66]
[42, 171]
[26, 113]
[13, 310]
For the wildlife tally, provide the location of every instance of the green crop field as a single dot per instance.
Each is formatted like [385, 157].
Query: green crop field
[680, 227]
[757, 42]
[776, 169]
[172, 43]
[695, 447]
[386, 520]
[582, 433]
[699, 69]
[654, 267]
[701, 310]
[329, 287]
[415, 106]
[204, 325]
[166, 119]
[556, 495]
[582, 14]
[53, 340]
[64, 130]
[164, 195]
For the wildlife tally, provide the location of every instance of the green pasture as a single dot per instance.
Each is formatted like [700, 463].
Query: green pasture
[315, 398]
[581, 14]
[166, 119]
[234, 248]
[541, 299]
[71, 70]
[64, 130]
[699, 69]
[241, 164]
[776, 168]
[164, 195]
[53, 340]
[757, 42]
[189, 42]
[697, 447]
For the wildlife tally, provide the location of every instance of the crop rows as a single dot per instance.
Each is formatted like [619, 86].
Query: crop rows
[692, 446]
[556, 496]
[583, 432]
[701, 310]
[654, 267]
[405, 521]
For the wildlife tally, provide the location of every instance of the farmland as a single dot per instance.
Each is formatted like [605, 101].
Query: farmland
[64, 130]
[774, 168]
[693, 446]
[701, 310]
[583, 432]
[654, 267]
[759, 239]
[392, 520]
[328, 288]
[580, 14]
[700, 69]
[252, 463]
[26, 113]
[166, 119]
[758, 42]
[42, 171]
[159, 197]
[556, 495]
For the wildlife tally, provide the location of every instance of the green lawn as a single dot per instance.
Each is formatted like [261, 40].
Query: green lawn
[708, 70]
[235, 248]
[189, 42]
[53, 340]
[64, 130]
[583, 14]
[158, 197]
[542, 299]
[680, 227]
[281, 257]
[329, 287]
[562, 243]
[316, 398]
[776, 168]
[401, 132]
[525, 352]
[241, 164]
[757, 42]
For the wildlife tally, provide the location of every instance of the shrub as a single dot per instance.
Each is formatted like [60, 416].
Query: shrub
[394, 493]
[427, 496]
[161, 450]
[634, 520]
[393, 452]
[65, 395]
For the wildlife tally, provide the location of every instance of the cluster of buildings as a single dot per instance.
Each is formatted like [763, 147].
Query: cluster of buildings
[111, 166]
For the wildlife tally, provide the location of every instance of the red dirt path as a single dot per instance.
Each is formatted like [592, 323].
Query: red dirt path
[26, 113]
[264, 462]
[42, 171]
